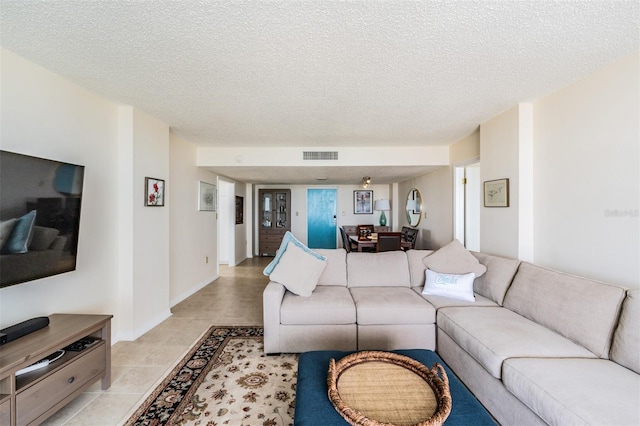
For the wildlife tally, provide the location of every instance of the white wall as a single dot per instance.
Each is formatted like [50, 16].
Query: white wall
[123, 254]
[226, 224]
[436, 189]
[587, 183]
[499, 155]
[150, 225]
[344, 208]
[193, 233]
[47, 116]
[240, 230]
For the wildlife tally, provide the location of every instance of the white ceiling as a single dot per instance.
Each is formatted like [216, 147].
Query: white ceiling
[321, 73]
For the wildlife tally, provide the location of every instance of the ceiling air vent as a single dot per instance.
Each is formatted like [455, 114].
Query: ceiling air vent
[320, 155]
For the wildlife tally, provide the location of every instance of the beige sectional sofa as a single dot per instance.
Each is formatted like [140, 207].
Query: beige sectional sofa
[535, 347]
[365, 303]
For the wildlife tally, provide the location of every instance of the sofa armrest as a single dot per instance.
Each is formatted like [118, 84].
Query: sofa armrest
[271, 301]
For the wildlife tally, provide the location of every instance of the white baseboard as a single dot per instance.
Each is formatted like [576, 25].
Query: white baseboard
[132, 335]
[173, 302]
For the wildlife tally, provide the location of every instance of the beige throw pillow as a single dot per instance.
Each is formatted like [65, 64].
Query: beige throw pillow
[454, 259]
[298, 270]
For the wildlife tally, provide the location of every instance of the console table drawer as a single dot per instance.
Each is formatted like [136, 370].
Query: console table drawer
[43, 395]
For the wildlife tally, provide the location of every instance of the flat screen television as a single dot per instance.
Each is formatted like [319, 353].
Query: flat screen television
[40, 203]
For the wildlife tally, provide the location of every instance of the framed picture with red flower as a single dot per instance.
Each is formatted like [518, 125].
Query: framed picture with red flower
[154, 192]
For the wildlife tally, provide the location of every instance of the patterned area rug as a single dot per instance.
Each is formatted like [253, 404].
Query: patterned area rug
[225, 379]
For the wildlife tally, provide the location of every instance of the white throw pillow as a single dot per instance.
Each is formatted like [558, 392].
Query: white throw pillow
[298, 270]
[454, 258]
[450, 285]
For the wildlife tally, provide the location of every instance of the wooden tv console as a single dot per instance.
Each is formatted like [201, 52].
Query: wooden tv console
[32, 397]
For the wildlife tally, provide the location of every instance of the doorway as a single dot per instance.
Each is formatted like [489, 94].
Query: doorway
[467, 201]
[321, 218]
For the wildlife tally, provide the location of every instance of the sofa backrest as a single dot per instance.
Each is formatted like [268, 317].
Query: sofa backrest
[335, 273]
[625, 349]
[582, 310]
[494, 283]
[417, 268]
[385, 269]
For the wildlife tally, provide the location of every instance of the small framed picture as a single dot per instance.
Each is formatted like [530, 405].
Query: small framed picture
[154, 192]
[239, 210]
[363, 202]
[206, 197]
[496, 193]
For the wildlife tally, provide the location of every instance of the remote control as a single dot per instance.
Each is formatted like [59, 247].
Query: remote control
[81, 344]
[40, 364]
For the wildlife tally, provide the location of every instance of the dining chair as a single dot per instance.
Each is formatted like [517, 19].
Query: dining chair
[389, 241]
[404, 232]
[411, 236]
[348, 244]
[364, 231]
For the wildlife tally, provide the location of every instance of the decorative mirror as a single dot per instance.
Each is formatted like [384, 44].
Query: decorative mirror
[414, 207]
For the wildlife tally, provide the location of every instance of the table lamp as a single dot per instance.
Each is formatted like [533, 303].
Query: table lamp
[382, 206]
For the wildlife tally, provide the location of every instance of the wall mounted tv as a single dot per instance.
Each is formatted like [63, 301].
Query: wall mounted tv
[39, 217]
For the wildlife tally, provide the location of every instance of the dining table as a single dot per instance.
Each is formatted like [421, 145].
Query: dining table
[372, 243]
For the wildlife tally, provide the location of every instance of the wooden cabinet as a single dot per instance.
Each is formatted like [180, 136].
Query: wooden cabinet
[30, 398]
[275, 219]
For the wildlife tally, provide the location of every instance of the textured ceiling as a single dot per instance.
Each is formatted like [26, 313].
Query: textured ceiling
[321, 73]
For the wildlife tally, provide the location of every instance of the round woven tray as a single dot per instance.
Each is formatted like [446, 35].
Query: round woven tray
[374, 388]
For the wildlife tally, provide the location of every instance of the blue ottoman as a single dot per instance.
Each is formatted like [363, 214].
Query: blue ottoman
[313, 407]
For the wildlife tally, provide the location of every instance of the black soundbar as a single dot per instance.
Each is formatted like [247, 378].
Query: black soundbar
[22, 329]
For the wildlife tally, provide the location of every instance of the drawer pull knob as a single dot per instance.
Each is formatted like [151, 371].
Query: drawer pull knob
[71, 379]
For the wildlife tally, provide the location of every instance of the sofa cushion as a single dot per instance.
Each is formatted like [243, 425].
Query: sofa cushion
[336, 271]
[450, 285]
[391, 305]
[298, 270]
[625, 349]
[491, 335]
[580, 309]
[386, 269]
[495, 282]
[575, 391]
[20, 237]
[416, 266]
[454, 258]
[327, 305]
[43, 237]
[443, 302]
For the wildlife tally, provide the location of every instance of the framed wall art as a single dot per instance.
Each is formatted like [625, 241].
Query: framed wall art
[153, 192]
[239, 210]
[363, 202]
[496, 193]
[206, 197]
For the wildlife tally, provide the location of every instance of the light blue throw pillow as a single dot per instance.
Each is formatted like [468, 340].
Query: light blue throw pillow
[20, 237]
[288, 237]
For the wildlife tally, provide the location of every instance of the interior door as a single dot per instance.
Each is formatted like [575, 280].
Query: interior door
[467, 202]
[321, 218]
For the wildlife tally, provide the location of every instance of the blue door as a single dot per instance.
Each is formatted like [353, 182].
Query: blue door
[321, 218]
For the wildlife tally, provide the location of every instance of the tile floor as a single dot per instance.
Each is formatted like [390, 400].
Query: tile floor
[233, 299]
